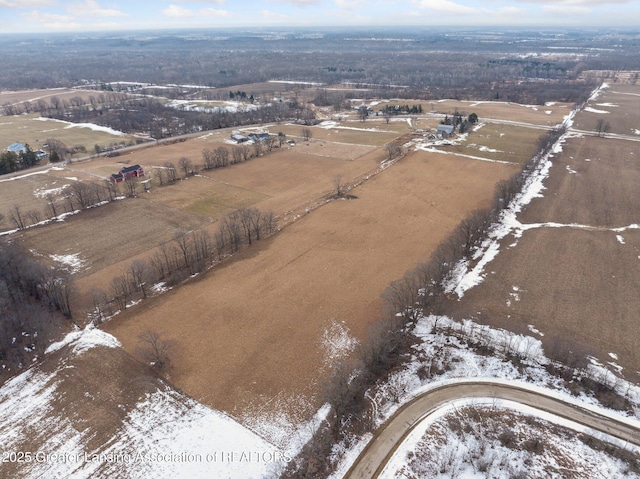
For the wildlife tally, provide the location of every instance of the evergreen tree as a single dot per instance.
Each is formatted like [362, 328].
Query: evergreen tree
[8, 162]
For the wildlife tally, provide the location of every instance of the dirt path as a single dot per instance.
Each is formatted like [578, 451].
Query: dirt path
[390, 436]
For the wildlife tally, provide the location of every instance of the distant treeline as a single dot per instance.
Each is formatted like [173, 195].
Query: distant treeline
[438, 64]
[132, 115]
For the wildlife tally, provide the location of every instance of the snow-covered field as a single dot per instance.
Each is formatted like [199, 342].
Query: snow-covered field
[166, 435]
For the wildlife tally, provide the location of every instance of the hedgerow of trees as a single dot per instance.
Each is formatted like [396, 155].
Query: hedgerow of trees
[80, 195]
[187, 254]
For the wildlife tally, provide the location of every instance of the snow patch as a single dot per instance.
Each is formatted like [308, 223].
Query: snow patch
[620, 239]
[73, 262]
[91, 126]
[43, 193]
[534, 330]
[336, 342]
[594, 110]
[92, 337]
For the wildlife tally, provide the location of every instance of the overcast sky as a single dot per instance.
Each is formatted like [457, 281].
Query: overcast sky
[98, 15]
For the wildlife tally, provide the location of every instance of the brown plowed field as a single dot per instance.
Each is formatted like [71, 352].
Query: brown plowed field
[250, 330]
[579, 281]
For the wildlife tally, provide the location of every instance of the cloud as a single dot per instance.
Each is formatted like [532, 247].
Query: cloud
[176, 11]
[350, 4]
[26, 3]
[567, 10]
[446, 6]
[511, 11]
[51, 21]
[274, 16]
[299, 3]
[90, 8]
[213, 2]
[576, 3]
[213, 12]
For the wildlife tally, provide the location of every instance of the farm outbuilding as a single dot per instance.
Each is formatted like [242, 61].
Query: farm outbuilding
[258, 137]
[239, 138]
[17, 148]
[445, 131]
[134, 171]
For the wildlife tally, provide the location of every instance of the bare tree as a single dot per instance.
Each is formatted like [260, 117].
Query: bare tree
[281, 138]
[184, 245]
[221, 157]
[34, 216]
[247, 218]
[246, 152]
[131, 187]
[139, 273]
[120, 291]
[363, 112]
[257, 148]
[97, 193]
[270, 142]
[209, 160]
[306, 133]
[602, 127]
[170, 168]
[237, 155]
[159, 173]
[402, 296]
[154, 349]
[339, 187]
[268, 222]
[185, 165]
[158, 265]
[58, 147]
[59, 288]
[168, 253]
[81, 194]
[231, 231]
[111, 190]
[202, 250]
[55, 102]
[99, 305]
[393, 150]
[17, 217]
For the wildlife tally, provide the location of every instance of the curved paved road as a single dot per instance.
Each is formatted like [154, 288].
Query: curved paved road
[389, 437]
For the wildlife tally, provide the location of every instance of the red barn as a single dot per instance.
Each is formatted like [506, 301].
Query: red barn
[134, 171]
